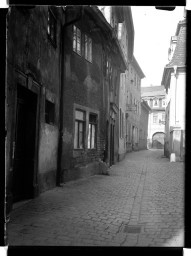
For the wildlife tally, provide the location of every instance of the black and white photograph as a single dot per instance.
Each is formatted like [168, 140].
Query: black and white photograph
[95, 117]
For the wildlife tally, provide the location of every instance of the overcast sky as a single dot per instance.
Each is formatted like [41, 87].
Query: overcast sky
[153, 30]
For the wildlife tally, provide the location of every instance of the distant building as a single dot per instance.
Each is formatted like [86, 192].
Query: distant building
[133, 109]
[144, 121]
[156, 99]
[173, 79]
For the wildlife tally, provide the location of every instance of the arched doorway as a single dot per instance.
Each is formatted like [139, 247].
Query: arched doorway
[158, 140]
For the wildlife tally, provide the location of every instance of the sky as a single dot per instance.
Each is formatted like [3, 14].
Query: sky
[153, 29]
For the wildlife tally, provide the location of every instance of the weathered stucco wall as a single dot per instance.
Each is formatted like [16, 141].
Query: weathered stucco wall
[30, 52]
[83, 89]
[48, 148]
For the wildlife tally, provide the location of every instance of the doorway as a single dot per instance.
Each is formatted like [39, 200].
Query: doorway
[25, 138]
[158, 140]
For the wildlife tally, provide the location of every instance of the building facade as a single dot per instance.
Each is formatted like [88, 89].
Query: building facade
[155, 96]
[144, 122]
[121, 20]
[174, 81]
[63, 71]
[93, 63]
[126, 40]
[133, 106]
[33, 79]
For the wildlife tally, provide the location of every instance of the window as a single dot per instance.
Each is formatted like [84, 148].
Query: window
[51, 28]
[88, 48]
[92, 131]
[151, 103]
[76, 40]
[49, 112]
[155, 103]
[163, 103]
[131, 98]
[119, 30]
[79, 129]
[163, 116]
[155, 116]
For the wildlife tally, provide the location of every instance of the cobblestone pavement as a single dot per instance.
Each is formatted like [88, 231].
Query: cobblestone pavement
[139, 204]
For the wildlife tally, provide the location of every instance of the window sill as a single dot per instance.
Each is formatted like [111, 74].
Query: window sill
[78, 54]
[88, 61]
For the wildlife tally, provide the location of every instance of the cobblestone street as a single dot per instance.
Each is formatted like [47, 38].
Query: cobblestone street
[140, 203]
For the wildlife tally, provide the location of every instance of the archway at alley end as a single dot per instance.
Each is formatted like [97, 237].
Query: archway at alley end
[158, 140]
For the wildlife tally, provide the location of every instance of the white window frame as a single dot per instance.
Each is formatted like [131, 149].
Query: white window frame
[77, 40]
[92, 144]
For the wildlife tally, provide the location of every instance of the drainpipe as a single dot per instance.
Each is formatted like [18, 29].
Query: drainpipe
[62, 77]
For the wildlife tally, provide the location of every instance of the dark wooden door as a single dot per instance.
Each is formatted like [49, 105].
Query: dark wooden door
[23, 169]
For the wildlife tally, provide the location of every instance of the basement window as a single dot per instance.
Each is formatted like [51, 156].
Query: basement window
[49, 112]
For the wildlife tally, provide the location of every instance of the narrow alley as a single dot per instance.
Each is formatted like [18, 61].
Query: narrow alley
[140, 203]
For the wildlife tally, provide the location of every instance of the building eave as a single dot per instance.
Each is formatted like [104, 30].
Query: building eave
[129, 22]
[137, 67]
[103, 24]
[145, 105]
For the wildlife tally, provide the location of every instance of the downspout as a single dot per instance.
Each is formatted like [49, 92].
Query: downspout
[62, 77]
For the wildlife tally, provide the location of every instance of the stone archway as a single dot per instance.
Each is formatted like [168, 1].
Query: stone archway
[158, 140]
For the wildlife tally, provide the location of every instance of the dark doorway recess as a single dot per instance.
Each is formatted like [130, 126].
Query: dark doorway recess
[158, 140]
[25, 137]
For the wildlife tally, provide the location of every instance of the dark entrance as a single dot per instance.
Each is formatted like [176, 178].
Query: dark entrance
[158, 140]
[25, 134]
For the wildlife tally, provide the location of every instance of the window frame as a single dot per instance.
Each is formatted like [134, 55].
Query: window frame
[155, 100]
[88, 48]
[155, 115]
[90, 125]
[83, 122]
[75, 33]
